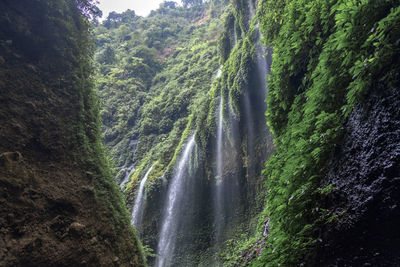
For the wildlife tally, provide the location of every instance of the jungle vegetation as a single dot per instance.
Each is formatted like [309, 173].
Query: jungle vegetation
[157, 85]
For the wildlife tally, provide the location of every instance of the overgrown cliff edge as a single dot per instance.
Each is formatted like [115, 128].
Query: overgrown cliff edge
[58, 203]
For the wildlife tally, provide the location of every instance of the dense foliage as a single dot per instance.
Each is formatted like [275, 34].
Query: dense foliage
[174, 90]
[157, 86]
[327, 55]
[152, 69]
[48, 46]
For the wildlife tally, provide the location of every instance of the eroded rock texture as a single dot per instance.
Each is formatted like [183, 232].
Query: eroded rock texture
[365, 174]
[58, 204]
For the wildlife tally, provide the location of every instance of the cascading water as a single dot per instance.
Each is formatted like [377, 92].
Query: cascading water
[231, 191]
[174, 209]
[264, 61]
[248, 112]
[128, 172]
[138, 207]
[232, 195]
[264, 56]
[131, 168]
[252, 9]
[235, 38]
[226, 195]
[219, 72]
[219, 137]
[254, 102]
[219, 207]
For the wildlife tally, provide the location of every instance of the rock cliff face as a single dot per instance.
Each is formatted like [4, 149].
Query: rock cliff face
[365, 175]
[50, 216]
[58, 203]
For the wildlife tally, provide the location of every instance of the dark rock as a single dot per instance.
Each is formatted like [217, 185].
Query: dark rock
[94, 240]
[10, 159]
[76, 228]
[365, 170]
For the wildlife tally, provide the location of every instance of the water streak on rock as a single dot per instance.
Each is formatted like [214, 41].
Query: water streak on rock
[177, 190]
[138, 208]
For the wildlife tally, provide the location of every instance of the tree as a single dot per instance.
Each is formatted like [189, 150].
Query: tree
[189, 3]
[114, 19]
[108, 55]
[170, 4]
[89, 9]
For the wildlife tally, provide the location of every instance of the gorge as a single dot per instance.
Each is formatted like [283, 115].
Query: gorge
[208, 133]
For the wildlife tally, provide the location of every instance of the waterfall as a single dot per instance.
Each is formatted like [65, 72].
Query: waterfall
[219, 207]
[219, 72]
[264, 61]
[259, 139]
[174, 208]
[131, 168]
[138, 207]
[219, 138]
[252, 9]
[226, 194]
[248, 112]
[235, 38]
[254, 100]
[128, 172]
[264, 56]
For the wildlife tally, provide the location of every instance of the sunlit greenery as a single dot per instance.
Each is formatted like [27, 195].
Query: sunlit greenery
[157, 85]
[327, 55]
[154, 71]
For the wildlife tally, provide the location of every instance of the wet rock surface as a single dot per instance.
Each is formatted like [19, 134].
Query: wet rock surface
[52, 208]
[365, 174]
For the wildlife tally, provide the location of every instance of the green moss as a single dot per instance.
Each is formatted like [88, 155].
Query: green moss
[52, 54]
[157, 112]
[313, 86]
